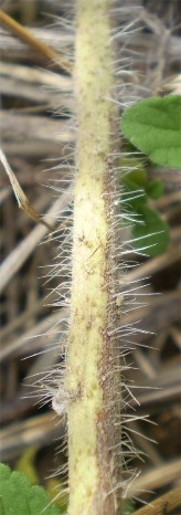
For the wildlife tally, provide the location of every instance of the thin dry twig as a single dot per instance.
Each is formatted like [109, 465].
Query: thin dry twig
[21, 198]
[157, 477]
[19, 255]
[168, 504]
[33, 431]
[25, 34]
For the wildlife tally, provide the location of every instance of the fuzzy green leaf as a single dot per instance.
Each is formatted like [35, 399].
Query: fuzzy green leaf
[129, 508]
[133, 195]
[19, 497]
[154, 127]
[138, 177]
[155, 189]
[152, 232]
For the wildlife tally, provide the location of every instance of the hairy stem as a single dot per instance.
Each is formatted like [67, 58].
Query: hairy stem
[91, 382]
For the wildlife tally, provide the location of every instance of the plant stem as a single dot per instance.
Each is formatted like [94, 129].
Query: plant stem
[91, 382]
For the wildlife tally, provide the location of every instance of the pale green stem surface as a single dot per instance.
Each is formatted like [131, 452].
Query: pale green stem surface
[92, 474]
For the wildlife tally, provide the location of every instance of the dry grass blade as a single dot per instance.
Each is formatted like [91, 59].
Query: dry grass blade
[162, 476]
[169, 503]
[15, 260]
[21, 198]
[33, 431]
[27, 37]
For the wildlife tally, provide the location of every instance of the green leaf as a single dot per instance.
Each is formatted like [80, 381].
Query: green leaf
[152, 232]
[138, 177]
[19, 497]
[154, 127]
[155, 189]
[128, 507]
[134, 195]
